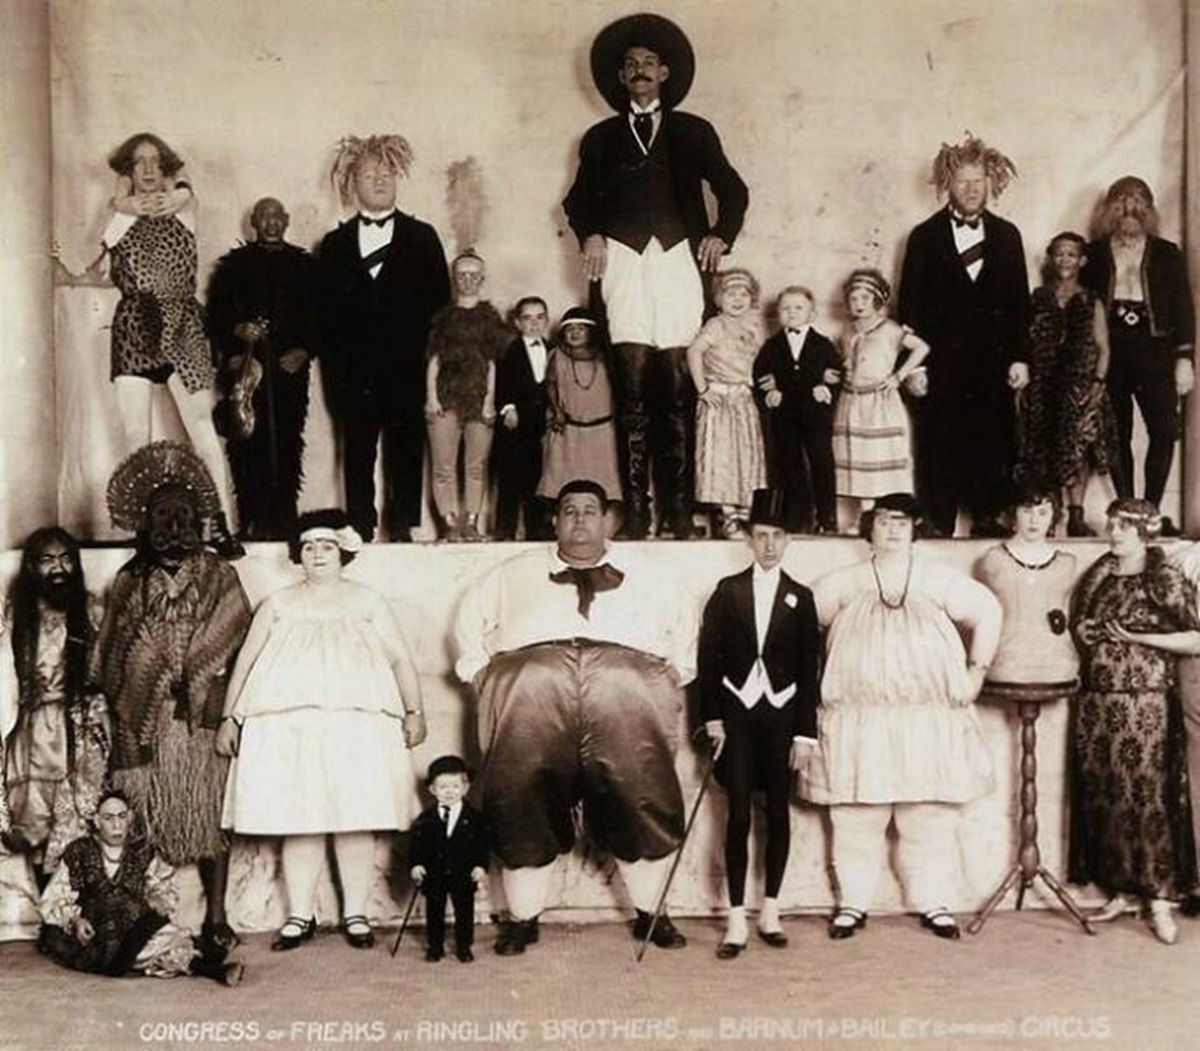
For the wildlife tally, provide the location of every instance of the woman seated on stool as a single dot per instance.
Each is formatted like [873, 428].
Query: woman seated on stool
[899, 737]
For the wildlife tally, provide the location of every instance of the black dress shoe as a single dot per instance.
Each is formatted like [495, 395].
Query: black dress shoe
[433, 955]
[1169, 528]
[851, 920]
[515, 935]
[1191, 905]
[465, 955]
[730, 950]
[942, 923]
[666, 935]
[358, 939]
[304, 929]
[775, 939]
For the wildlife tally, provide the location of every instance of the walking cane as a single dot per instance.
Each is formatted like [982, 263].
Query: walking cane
[407, 914]
[687, 831]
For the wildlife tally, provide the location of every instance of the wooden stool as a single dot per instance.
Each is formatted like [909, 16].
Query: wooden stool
[1029, 698]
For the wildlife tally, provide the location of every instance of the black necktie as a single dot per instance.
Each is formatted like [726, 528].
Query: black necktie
[643, 126]
[445, 815]
[794, 331]
[366, 220]
[590, 581]
[961, 220]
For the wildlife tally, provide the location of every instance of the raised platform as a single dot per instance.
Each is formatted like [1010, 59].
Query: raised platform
[424, 582]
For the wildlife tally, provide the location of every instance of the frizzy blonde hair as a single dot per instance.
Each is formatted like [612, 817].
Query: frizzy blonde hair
[973, 150]
[392, 150]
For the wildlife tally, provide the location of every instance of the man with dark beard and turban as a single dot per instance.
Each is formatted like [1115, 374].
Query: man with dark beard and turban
[53, 718]
[175, 619]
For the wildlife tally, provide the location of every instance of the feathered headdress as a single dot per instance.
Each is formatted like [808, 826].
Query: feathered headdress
[973, 150]
[392, 150]
[466, 201]
[150, 468]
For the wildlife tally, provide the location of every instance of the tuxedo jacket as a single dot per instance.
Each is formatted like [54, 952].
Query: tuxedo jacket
[1164, 283]
[796, 379]
[975, 329]
[376, 329]
[516, 386]
[449, 860]
[696, 158]
[791, 650]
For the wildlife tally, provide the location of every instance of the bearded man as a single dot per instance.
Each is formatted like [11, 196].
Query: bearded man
[1151, 329]
[54, 728]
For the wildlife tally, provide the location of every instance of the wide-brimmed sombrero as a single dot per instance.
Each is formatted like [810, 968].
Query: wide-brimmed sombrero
[658, 34]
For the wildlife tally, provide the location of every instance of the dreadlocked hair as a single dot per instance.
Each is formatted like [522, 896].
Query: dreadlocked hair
[973, 150]
[392, 150]
[23, 597]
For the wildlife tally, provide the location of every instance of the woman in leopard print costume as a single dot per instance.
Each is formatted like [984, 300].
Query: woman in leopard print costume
[158, 327]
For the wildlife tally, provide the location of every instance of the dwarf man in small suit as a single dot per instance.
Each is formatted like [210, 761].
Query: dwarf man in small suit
[759, 658]
[382, 276]
[449, 855]
[521, 423]
[796, 374]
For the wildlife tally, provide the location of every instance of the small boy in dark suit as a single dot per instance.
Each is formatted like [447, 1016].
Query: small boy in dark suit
[796, 375]
[520, 424]
[449, 855]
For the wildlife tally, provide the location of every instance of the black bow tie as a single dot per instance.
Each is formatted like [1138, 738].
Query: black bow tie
[589, 581]
[366, 220]
[961, 221]
[795, 331]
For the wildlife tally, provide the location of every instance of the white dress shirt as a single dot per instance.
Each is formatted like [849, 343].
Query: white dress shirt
[964, 238]
[452, 818]
[372, 237]
[765, 583]
[795, 340]
[655, 112]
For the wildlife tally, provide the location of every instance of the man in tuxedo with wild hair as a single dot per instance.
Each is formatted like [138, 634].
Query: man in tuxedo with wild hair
[637, 207]
[758, 674]
[964, 290]
[382, 276]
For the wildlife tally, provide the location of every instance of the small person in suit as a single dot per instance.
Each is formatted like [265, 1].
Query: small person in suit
[521, 424]
[795, 376]
[759, 659]
[449, 855]
[729, 444]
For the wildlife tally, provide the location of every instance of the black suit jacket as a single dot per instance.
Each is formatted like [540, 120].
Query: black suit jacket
[795, 379]
[696, 158]
[975, 329]
[516, 386]
[449, 860]
[376, 329]
[1164, 283]
[791, 649]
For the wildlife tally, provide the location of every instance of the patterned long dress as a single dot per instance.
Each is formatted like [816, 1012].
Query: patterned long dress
[1130, 814]
[165, 648]
[1067, 424]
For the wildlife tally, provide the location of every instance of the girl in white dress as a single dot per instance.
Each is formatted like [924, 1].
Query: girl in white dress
[323, 705]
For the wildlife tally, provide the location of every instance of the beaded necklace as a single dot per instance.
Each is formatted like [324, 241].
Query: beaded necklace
[887, 602]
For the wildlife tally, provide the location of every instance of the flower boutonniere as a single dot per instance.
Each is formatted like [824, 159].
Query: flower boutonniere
[790, 600]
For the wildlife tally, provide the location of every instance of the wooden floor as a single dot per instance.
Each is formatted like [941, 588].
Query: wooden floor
[1029, 979]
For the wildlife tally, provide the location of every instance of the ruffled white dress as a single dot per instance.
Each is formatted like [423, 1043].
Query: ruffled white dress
[322, 748]
[897, 722]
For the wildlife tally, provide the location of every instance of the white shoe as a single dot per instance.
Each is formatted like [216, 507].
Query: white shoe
[1162, 923]
[1113, 909]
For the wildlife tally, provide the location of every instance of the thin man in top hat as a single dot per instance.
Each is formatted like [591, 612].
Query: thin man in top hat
[637, 207]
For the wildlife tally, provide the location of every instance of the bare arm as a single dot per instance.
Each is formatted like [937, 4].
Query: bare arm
[1100, 335]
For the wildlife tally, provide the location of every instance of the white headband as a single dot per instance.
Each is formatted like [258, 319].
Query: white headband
[346, 538]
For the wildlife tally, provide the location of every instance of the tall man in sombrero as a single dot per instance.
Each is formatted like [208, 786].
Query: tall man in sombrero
[175, 619]
[638, 209]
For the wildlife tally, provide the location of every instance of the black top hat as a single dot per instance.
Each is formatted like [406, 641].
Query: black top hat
[447, 764]
[769, 507]
[654, 33]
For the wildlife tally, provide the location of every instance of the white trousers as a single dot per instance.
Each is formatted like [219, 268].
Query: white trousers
[925, 856]
[655, 297]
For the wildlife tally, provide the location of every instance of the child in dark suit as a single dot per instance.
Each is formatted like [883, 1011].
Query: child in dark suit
[795, 375]
[449, 855]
